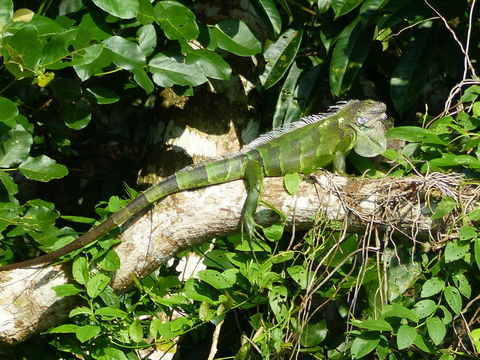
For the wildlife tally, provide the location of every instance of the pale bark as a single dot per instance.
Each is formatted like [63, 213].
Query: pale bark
[28, 303]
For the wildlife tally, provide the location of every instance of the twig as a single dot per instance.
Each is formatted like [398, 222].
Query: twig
[214, 346]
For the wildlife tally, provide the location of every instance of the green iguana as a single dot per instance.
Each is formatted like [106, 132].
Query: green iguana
[303, 146]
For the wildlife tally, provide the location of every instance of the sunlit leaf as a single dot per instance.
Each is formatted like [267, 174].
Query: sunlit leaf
[279, 56]
[126, 54]
[176, 20]
[236, 37]
[270, 9]
[16, 145]
[42, 168]
[454, 299]
[211, 63]
[125, 9]
[168, 71]
[405, 336]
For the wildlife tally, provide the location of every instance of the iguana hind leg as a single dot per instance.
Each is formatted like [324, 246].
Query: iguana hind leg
[254, 178]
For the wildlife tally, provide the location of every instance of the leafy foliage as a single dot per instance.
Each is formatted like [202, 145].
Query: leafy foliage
[66, 64]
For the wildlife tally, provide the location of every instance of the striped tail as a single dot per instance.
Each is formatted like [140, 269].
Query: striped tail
[214, 172]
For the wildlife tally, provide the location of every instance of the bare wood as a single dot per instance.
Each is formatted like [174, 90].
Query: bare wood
[28, 304]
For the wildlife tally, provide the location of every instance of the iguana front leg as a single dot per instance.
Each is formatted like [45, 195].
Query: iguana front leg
[254, 178]
[339, 163]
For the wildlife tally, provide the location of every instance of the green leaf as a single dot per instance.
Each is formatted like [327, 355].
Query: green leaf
[86, 332]
[199, 291]
[432, 286]
[168, 71]
[409, 76]
[80, 270]
[279, 56]
[406, 336]
[110, 261]
[348, 56]
[274, 232]
[364, 344]
[64, 329]
[125, 9]
[475, 335]
[78, 114]
[422, 344]
[110, 298]
[56, 50]
[145, 12]
[269, 8]
[373, 324]
[436, 330]
[142, 79]
[110, 312]
[463, 285]
[219, 280]
[135, 331]
[170, 329]
[67, 290]
[301, 275]
[282, 257]
[454, 299]
[44, 25]
[444, 207]
[468, 232]
[40, 215]
[352, 48]
[342, 7]
[414, 134]
[97, 284]
[313, 333]
[424, 308]
[25, 50]
[81, 310]
[470, 94]
[6, 13]
[176, 20]
[102, 95]
[477, 252]
[88, 55]
[456, 250]
[126, 54]
[447, 315]
[296, 94]
[291, 182]
[455, 160]
[42, 168]
[397, 310]
[15, 146]
[147, 39]
[79, 219]
[212, 64]
[8, 109]
[108, 352]
[8, 183]
[234, 35]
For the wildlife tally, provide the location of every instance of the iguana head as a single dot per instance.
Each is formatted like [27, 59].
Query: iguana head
[369, 125]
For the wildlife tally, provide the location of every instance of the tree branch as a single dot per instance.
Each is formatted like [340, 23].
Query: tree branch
[28, 304]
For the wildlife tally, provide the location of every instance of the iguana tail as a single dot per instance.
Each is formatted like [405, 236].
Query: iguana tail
[210, 173]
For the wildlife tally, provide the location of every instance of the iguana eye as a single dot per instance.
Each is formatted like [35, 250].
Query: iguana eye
[361, 120]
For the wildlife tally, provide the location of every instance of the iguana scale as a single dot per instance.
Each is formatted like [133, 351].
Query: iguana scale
[303, 146]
